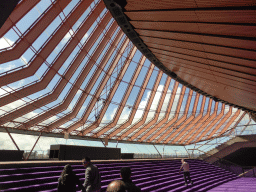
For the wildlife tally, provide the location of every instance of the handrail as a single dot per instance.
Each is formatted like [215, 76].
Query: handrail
[218, 145]
[220, 139]
[225, 143]
[44, 154]
[219, 158]
[242, 174]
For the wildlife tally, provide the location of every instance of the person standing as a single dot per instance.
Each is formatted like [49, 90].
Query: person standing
[92, 181]
[68, 180]
[186, 172]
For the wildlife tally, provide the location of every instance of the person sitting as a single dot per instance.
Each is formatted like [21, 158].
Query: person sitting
[116, 186]
[126, 178]
[68, 180]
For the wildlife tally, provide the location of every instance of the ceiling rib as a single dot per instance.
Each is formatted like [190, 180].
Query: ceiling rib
[111, 82]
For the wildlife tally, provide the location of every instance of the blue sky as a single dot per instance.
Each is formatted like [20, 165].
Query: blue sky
[12, 36]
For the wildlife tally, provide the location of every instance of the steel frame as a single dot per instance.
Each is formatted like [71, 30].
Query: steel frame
[12, 139]
[168, 111]
[185, 127]
[124, 99]
[137, 102]
[33, 147]
[45, 52]
[154, 120]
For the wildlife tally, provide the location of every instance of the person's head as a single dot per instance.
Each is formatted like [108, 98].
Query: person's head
[116, 186]
[182, 160]
[66, 171]
[126, 173]
[86, 161]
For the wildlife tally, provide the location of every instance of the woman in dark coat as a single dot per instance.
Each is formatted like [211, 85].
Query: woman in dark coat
[68, 180]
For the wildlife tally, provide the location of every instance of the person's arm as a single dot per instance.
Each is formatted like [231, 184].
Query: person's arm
[180, 168]
[59, 186]
[87, 179]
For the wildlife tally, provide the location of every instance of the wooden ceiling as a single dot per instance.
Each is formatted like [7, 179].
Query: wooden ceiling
[86, 78]
[208, 44]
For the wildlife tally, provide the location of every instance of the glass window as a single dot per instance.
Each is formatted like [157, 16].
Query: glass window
[152, 80]
[33, 15]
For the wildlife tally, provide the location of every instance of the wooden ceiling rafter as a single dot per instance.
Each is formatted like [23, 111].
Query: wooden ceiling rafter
[199, 63]
[218, 20]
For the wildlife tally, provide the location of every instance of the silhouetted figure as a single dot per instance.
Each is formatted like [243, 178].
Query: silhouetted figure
[126, 178]
[92, 181]
[68, 180]
[116, 186]
[186, 172]
[124, 185]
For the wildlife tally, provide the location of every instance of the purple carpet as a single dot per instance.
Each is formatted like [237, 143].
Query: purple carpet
[241, 184]
[157, 176]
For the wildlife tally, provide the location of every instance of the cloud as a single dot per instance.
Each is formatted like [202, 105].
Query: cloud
[78, 23]
[21, 83]
[175, 103]
[26, 142]
[246, 118]
[24, 59]
[13, 105]
[7, 68]
[153, 107]
[124, 116]
[226, 109]
[5, 43]
[30, 115]
[67, 36]
[126, 112]
[113, 113]
[74, 100]
[49, 120]
[84, 38]
[4, 91]
[141, 107]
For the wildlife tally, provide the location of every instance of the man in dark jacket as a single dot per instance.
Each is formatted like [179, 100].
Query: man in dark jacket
[124, 185]
[126, 178]
[92, 181]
